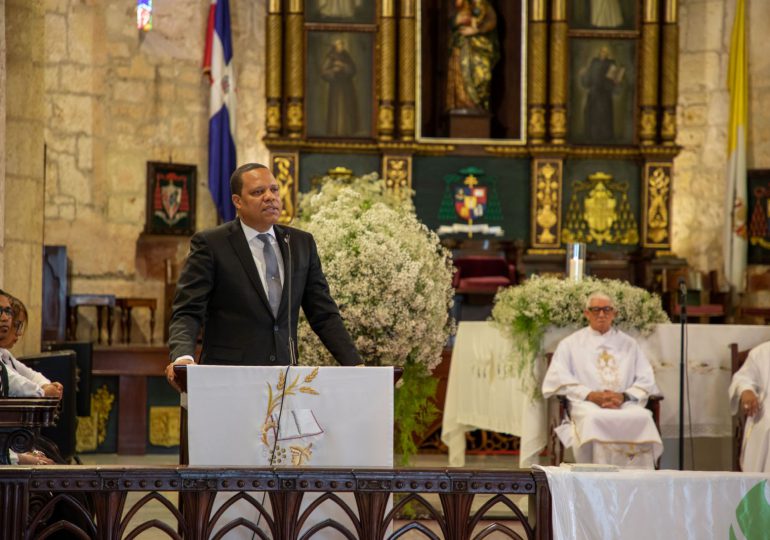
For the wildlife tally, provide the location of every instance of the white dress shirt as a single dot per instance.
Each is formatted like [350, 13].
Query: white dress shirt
[256, 246]
[22, 381]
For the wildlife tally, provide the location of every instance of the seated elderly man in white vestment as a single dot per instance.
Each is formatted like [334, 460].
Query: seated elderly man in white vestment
[747, 391]
[607, 380]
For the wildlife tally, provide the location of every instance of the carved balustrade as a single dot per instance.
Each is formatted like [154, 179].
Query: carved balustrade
[93, 502]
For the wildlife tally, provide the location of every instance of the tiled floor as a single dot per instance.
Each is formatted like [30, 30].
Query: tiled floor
[155, 510]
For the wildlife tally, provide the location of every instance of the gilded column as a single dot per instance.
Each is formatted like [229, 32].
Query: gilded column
[669, 72]
[536, 71]
[648, 95]
[274, 42]
[406, 69]
[285, 167]
[295, 70]
[546, 203]
[385, 112]
[656, 222]
[559, 76]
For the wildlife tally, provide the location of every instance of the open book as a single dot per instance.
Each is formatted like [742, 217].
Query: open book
[616, 73]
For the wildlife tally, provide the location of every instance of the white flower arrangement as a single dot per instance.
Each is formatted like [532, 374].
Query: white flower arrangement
[392, 280]
[389, 274]
[526, 311]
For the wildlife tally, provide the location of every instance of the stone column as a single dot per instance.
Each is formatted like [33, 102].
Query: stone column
[273, 75]
[537, 71]
[387, 40]
[295, 69]
[24, 150]
[648, 98]
[406, 69]
[670, 70]
[3, 211]
[559, 76]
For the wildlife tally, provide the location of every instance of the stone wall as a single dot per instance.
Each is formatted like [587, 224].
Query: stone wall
[2, 138]
[24, 157]
[116, 98]
[699, 211]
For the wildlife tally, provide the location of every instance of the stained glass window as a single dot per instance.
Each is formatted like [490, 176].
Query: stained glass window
[144, 15]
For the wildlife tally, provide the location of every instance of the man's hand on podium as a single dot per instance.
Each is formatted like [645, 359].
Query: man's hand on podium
[170, 376]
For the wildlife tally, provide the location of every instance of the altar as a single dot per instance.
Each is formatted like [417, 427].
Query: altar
[485, 392]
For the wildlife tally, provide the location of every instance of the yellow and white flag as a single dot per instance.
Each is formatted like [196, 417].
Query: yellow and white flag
[736, 246]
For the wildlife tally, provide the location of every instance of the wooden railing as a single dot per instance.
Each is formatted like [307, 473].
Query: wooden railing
[20, 423]
[93, 502]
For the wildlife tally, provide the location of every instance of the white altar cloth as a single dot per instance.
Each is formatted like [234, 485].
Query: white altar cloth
[483, 391]
[657, 504]
[331, 417]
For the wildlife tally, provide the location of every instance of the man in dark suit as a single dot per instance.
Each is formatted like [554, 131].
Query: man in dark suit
[244, 283]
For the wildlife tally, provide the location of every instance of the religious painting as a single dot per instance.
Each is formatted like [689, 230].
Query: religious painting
[170, 198]
[340, 11]
[602, 91]
[758, 216]
[339, 79]
[603, 14]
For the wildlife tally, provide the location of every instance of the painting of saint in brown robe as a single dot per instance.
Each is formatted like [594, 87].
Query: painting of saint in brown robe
[339, 71]
[601, 78]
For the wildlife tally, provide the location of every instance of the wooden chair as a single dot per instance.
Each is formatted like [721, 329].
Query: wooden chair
[755, 303]
[482, 274]
[558, 411]
[702, 291]
[737, 359]
[58, 441]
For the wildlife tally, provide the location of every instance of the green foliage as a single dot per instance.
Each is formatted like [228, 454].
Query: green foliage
[413, 410]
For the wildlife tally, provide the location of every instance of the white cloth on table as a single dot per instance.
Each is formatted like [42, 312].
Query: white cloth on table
[22, 380]
[754, 375]
[484, 392]
[633, 504]
[590, 361]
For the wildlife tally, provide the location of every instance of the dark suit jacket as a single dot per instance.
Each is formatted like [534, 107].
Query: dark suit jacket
[219, 288]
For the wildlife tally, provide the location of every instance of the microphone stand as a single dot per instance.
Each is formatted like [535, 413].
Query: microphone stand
[683, 328]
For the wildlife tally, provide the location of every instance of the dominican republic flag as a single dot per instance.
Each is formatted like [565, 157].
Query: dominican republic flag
[218, 65]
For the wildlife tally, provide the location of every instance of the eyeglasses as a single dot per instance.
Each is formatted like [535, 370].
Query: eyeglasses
[7, 310]
[601, 309]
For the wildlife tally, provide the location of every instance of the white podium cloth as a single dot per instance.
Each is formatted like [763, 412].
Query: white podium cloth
[331, 417]
[657, 504]
[483, 391]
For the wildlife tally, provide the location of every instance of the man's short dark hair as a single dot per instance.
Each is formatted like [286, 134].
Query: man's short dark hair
[236, 180]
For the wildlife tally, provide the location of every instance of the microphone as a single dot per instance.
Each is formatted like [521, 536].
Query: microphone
[682, 287]
[292, 355]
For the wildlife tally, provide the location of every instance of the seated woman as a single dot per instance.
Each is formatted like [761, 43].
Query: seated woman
[31, 383]
[22, 381]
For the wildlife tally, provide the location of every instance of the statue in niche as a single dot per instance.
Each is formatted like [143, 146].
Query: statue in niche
[606, 14]
[601, 78]
[339, 71]
[474, 51]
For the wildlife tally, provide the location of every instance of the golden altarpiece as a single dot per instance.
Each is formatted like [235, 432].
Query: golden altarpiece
[572, 138]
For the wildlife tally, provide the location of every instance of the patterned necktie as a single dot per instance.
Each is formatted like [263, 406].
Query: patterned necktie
[272, 276]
